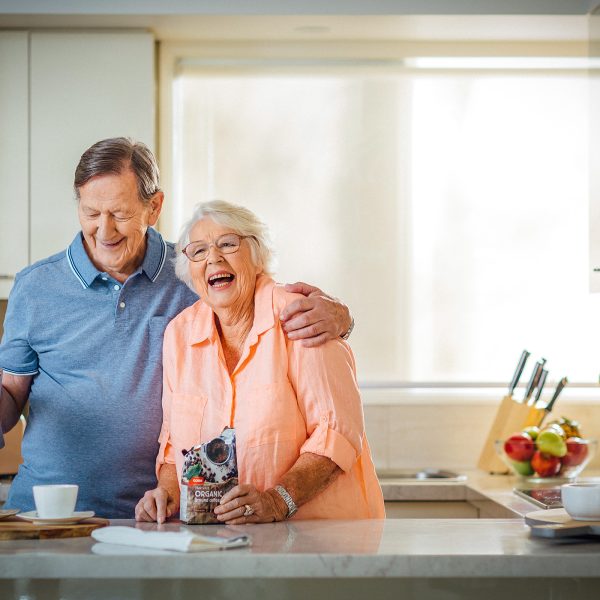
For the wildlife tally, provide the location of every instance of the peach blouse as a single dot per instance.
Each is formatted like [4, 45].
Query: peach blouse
[282, 399]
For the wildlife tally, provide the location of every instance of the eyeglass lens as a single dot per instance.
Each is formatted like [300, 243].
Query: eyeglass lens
[227, 244]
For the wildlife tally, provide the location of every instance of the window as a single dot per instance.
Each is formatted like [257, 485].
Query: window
[448, 208]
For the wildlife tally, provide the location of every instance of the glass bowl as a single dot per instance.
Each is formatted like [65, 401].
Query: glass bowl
[523, 459]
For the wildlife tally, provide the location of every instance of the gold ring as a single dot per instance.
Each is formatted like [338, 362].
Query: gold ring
[248, 510]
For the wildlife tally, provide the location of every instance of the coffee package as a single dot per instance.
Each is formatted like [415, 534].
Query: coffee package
[209, 472]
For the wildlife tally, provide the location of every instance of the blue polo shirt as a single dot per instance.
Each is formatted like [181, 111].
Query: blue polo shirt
[94, 349]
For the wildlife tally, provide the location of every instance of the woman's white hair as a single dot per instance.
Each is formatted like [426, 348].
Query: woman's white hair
[242, 221]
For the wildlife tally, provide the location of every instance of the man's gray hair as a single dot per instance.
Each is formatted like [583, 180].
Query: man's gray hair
[242, 221]
[115, 155]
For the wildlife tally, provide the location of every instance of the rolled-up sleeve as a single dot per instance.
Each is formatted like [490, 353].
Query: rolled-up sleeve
[16, 354]
[324, 379]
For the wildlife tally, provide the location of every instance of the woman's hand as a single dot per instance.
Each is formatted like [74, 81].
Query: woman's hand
[156, 505]
[266, 506]
[316, 318]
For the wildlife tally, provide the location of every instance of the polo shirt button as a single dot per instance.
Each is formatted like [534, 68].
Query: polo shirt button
[122, 304]
[104, 278]
[116, 287]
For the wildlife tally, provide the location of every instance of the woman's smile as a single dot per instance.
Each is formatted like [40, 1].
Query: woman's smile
[221, 280]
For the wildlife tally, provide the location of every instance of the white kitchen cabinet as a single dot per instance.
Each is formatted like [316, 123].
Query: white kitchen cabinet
[84, 87]
[59, 93]
[594, 150]
[430, 510]
[14, 156]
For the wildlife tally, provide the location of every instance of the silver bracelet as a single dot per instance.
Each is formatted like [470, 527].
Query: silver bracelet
[347, 334]
[292, 508]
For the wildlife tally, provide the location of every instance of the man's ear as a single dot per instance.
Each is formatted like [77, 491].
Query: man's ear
[155, 203]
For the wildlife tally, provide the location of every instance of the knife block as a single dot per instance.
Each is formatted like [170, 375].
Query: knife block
[512, 416]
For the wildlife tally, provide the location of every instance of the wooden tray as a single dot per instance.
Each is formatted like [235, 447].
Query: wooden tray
[556, 523]
[17, 529]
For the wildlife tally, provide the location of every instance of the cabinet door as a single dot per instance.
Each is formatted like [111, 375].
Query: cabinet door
[14, 157]
[85, 86]
[594, 79]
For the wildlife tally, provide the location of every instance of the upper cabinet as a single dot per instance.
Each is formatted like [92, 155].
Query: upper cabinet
[59, 93]
[594, 150]
[14, 156]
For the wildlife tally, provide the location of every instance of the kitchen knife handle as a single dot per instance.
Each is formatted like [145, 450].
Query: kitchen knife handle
[518, 372]
[535, 377]
[559, 388]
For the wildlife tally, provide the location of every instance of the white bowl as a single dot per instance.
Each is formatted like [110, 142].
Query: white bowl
[582, 500]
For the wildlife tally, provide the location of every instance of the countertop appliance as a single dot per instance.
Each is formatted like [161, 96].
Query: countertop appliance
[547, 497]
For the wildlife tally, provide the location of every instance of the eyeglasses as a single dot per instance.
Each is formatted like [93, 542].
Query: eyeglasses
[228, 243]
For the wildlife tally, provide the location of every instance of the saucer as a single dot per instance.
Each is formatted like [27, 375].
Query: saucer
[74, 518]
[8, 512]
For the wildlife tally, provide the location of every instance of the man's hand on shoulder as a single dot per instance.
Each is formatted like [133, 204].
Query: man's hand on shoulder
[316, 318]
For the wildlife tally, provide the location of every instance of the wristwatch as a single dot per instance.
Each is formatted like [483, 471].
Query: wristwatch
[346, 335]
[292, 508]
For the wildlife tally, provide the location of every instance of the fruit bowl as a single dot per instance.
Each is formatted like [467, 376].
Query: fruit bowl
[546, 457]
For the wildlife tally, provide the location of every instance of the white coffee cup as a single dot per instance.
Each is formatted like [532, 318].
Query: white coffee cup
[582, 500]
[55, 501]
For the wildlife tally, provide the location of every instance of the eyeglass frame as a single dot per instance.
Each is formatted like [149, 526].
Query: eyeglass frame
[214, 243]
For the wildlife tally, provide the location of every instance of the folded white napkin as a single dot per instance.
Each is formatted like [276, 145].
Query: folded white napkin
[182, 541]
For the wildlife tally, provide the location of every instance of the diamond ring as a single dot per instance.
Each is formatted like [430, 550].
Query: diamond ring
[248, 510]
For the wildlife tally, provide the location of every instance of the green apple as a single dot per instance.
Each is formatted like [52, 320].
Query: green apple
[551, 442]
[532, 431]
[522, 468]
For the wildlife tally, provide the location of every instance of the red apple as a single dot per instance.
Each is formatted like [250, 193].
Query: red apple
[519, 447]
[545, 465]
[577, 451]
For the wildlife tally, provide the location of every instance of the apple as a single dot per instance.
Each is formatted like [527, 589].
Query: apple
[577, 451]
[522, 468]
[551, 442]
[519, 447]
[532, 431]
[545, 465]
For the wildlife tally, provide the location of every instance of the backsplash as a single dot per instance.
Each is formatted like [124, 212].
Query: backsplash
[448, 436]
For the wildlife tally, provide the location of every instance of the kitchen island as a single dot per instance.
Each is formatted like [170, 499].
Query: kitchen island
[413, 558]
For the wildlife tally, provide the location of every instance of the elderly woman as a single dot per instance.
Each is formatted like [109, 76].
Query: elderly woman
[301, 444]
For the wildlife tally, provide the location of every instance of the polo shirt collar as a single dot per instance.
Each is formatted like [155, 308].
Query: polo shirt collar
[80, 262]
[204, 327]
[156, 254]
[86, 272]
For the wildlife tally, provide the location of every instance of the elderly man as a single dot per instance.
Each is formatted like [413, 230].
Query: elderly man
[83, 339]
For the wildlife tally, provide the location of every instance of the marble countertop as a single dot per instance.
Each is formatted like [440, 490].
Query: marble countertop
[394, 548]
